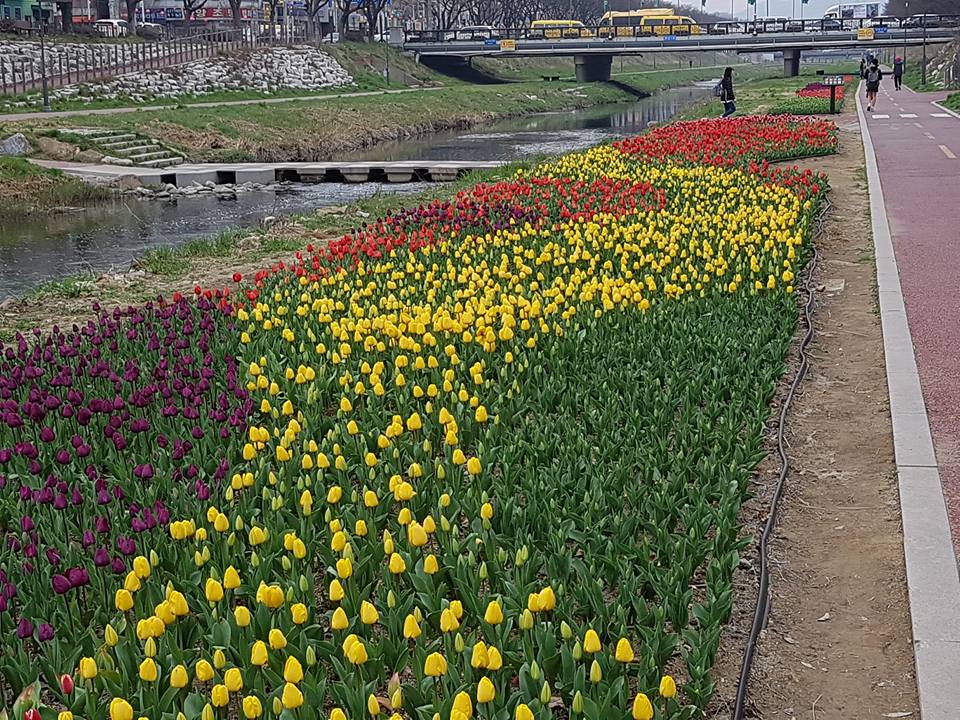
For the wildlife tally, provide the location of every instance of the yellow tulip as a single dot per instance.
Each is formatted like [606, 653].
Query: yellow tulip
[397, 564]
[462, 704]
[291, 698]
[299, 613]
[88, 668]
[523, 712]
[368, 613]
[473, 466]
[591, 642]
[213, 591]
[233, 680]
[120, 709]
[277, 639]
[231, 578]
[373, 705]
[642, 709]
[486, 691]
[258, 653]
[624, 652]
[494, 659]
[478, 657]
[123, 600]
[252, 708]
[220, 696]
[435, 665]
[203, 670]
[242, 616]
[179, 677]
[411, 628]
[292, 670]
[668, 687]
[148, 670]
[493, 614]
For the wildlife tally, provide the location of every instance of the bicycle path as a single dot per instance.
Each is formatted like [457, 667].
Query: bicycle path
[917, 146]
[20, 117]
[911, 148]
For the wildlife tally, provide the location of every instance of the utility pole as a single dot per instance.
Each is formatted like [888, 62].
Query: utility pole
[923, 69]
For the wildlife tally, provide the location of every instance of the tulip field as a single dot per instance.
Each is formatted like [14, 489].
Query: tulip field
[478, 458]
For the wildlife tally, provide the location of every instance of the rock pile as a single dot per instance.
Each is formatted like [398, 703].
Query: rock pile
[266, 71]
[226, 191]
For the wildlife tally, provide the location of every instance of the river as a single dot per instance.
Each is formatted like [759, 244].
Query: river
[108, 236]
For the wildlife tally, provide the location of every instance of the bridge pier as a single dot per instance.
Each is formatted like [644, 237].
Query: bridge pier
[592, 68]
[791, 63]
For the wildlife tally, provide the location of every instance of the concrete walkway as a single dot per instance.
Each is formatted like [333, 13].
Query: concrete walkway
[20, 117]
[911, 148]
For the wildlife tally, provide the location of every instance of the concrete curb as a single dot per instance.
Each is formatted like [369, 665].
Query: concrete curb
[933, 582]
[945, 109]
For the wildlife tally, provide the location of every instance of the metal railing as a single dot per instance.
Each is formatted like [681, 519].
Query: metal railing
[879, 25]
[70, 63]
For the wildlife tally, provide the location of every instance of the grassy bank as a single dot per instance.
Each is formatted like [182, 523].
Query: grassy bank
[321, 129]
[28, 189]
[953, 102]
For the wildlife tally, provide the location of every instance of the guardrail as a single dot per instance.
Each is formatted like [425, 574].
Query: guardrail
[739, 27]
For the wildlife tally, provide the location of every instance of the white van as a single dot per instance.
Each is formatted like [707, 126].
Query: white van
[111, 27]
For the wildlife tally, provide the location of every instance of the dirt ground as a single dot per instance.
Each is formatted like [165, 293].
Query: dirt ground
[838, 644]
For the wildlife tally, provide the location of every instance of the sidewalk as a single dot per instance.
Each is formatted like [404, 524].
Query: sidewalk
[18, 117]
[913, 171]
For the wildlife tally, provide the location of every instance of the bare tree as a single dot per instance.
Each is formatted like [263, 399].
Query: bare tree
[344, 9]
[371, 10]
[312, 9]
[190, 7]
[132, 16]
[235, 12]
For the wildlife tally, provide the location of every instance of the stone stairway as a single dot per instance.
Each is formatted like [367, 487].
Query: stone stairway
[123, 148]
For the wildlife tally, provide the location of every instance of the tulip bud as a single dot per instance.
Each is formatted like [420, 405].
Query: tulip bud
[526, 620]
[150, 648]
[545, 693]
[518, 558]
[228, 495]
[286, 564]
[577, 650]
[596, 674]
[534, 671]
[110, 636]
[254, 560]
[565, 631]
[577, 705]
[391, 600]
[483, 571]
[304, 583]
[207, 712]
[311, 656]
[458, 643]
[66, 684]
[502, 556]
[396, 699]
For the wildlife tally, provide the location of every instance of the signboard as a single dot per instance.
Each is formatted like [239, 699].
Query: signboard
[855, 11]
[508, 45]
[669, 37]
[832, 80]
[865, 34]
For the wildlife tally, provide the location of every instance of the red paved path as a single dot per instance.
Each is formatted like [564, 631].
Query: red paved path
[921, 187]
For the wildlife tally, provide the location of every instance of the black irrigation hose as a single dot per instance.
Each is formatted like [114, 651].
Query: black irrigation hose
[763, 593]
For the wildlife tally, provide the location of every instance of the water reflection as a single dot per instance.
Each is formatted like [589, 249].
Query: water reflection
[109, 236]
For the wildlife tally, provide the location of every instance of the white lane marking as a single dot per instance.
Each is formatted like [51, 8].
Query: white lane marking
[939, 114]
[919, 125]
[947, 152]
[908, 115]
[929, 136]
[881, 117]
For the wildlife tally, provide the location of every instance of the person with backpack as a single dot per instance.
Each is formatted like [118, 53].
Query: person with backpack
[725, 92]
[873, 78]
[898, 72]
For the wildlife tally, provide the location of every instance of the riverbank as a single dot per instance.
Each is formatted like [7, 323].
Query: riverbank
[26, 188]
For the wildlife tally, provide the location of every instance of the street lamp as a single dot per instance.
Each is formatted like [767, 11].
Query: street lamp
[43, 64]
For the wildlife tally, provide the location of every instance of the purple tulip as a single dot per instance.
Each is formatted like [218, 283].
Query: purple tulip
[118, 565]
[61, 584]
[26, 523]
[101, 557]
[24, 628]
[46, 434]
[88, 539]
[78, 576]
[101, 524]
[45, 632]
[53, 557]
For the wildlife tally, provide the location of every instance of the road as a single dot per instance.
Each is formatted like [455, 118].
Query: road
[918, 146]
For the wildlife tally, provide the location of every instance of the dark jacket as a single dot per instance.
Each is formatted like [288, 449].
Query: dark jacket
[898, 69]
[726, 89]
[879, 75]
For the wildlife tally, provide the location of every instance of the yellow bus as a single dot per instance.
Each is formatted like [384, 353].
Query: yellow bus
[555, 29]
[652, 21]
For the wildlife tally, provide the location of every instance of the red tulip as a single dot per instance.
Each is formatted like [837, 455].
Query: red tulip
[66, 684]
[237, 277]
[31, 714]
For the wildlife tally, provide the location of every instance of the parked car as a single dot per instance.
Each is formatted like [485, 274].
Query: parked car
[884, 22]
[829, 25]
[111, 27]
[919, 21]
[795, 26]
[472, 32]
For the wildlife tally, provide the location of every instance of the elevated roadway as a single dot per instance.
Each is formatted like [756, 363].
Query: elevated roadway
[593, 56]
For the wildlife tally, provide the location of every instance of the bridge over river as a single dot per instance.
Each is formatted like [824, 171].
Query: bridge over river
[593, 54]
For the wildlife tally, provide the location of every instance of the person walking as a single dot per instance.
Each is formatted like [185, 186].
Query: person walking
[863, 68]
[726, 93]
[898, 72]
[873, 78]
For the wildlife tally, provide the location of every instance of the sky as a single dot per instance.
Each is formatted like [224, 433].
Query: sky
[778, 8]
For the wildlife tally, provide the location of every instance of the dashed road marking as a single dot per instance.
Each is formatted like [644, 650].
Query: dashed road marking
[919, 125]
[929, 136]
[947, 152]
[908, 115]
[881, 117]
[940, 115]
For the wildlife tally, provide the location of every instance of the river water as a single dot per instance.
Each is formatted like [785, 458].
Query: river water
[108, 236]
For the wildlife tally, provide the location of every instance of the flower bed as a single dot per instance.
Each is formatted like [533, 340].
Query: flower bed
[479, 457]
[813, 99]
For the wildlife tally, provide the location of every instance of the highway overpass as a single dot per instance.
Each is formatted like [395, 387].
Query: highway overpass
[593, 56]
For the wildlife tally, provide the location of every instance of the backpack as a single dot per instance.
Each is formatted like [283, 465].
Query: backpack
[718, 90]
[873, 75]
